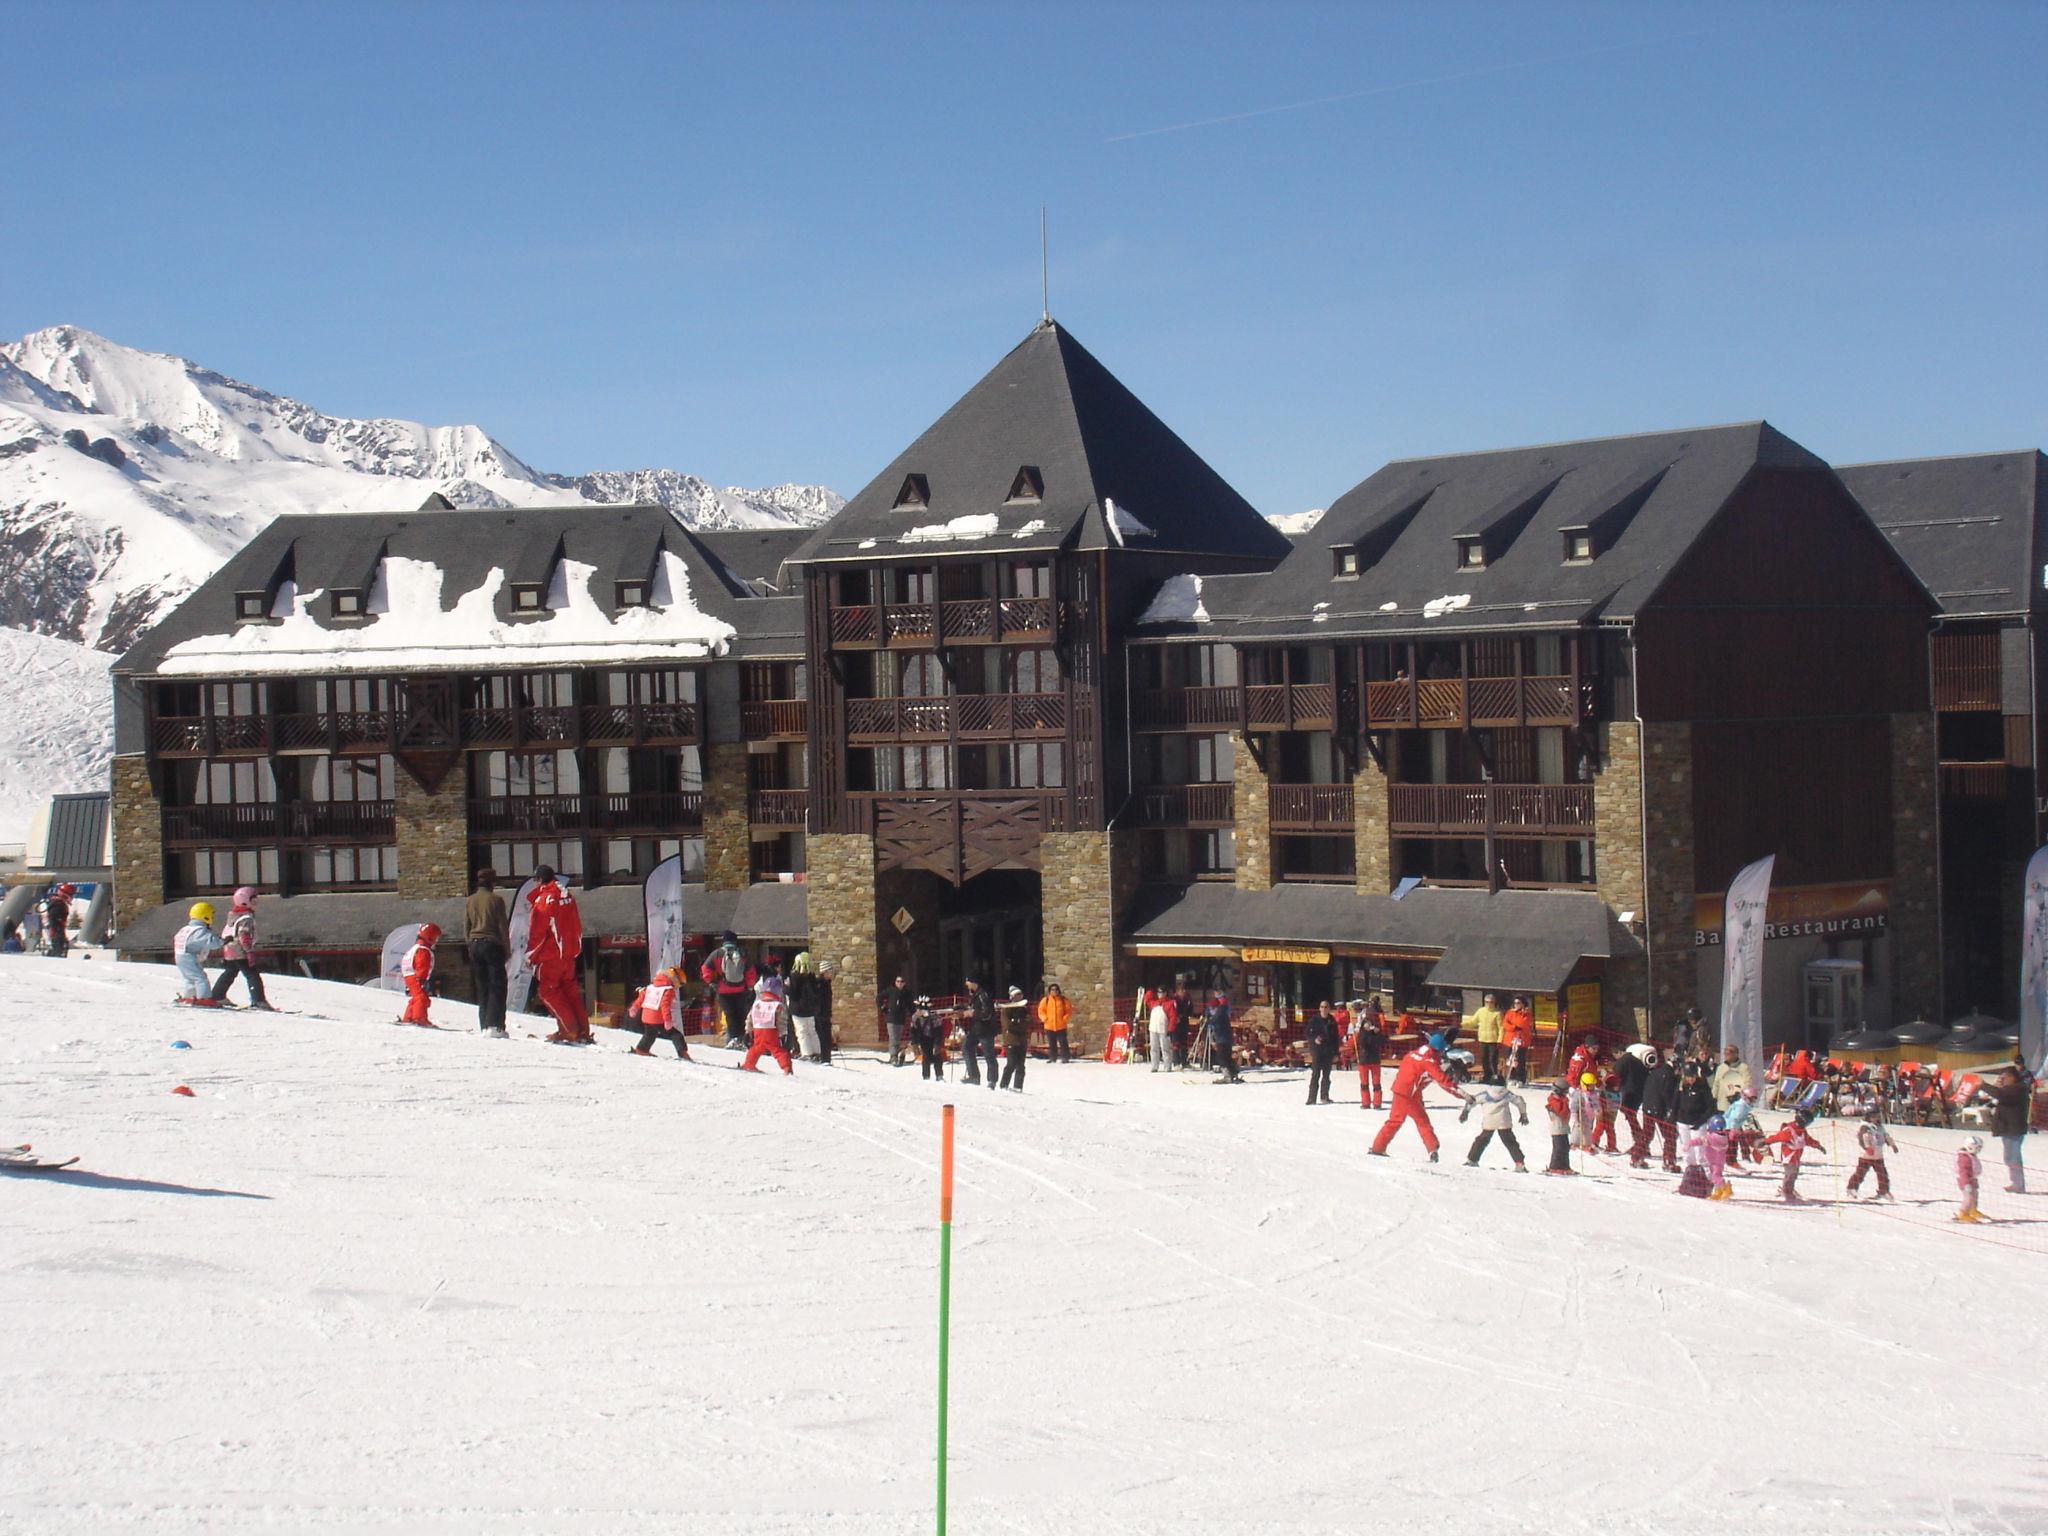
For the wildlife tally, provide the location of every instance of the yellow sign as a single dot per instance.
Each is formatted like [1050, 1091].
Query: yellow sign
[1545, 1004]
[1582, 1002]
[1286, 955]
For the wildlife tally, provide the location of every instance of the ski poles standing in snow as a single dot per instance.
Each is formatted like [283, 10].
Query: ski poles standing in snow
[945, 1290]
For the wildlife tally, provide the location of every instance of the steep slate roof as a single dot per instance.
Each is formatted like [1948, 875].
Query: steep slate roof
[1647, 499]
[1973, 527]
[74, 833]
[1052, 406]
[322, 551]
[755, 555]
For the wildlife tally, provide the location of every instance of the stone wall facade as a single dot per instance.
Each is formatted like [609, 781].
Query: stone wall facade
[1253, 809]
[728, 857]
[843, 921]
[1372, 843]
[1916, 872]
[1085, 880]
[433, 834]
[1643, 863]
[138, 841]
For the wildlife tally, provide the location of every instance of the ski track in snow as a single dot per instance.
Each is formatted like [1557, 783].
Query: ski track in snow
[57, 729]
[375, 1279]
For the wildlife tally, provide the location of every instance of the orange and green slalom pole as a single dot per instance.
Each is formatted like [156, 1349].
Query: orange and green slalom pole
[945, 1291]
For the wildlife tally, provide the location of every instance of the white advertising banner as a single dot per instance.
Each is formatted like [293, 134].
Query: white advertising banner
[518, 974]
[397, 945]
[2034, 961]
[1742, 961]
[664, 897]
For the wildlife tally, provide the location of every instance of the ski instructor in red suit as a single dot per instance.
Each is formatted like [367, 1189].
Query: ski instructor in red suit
[1419, 1068]
[554, 938]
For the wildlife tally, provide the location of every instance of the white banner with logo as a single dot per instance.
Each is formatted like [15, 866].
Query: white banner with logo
[397, 945]
[2034, 962]
[664, 897]
[519, 974]
[1742, 961]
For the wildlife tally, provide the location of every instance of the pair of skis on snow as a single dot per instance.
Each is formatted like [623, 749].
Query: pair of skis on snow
[23, 1159]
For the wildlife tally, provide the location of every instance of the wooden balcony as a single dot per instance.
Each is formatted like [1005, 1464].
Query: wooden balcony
[1184, 805]
[654, 813]
[210, 735]
[1185, 709]
[1507, 810]
[1290, 706]
[1451, 703]
[967, 716]
[268, 823]
[1964, 669]
[775, 719]
[778, 807]
[953, 621]
[339, 732]
[957, 833]
[1975, 781]
[1309, 807]
[637, 724]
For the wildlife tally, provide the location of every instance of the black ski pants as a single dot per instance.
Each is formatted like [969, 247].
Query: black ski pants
[236, 968]
[732, 1007]
[487, 980]
[931, 1060]
[1507, 1139]
[980, 1051]
[1489, 1061]
[1319, 1066]
[1016, 1058]
[649, 1034]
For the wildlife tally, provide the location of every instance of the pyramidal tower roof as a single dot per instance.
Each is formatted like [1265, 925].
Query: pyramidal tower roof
[1049, 449]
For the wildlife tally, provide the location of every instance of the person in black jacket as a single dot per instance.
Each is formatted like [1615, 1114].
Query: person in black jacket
[928, 1035]
[896, 1005]
[979, 1035]
[1222, 1045]
[1631, 1068]
[1660, 1093]
[1369, 1040]
[1321, 1035]
[1692, 1107]
[2012, 1106]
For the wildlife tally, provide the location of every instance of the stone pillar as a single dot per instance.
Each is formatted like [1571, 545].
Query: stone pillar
[1915, 939]
[1085, 880]
[728, 858]
[138, 841]
[1618, 869]
[841, 899]
[433, 834]
[1372, 843]
[1253, 845]
[1668, 872]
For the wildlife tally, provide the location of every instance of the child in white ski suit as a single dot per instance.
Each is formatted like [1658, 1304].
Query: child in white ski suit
[195, 941]
[1498, 1105]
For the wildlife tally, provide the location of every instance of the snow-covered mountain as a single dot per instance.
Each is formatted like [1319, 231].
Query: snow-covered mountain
[127, 477]
[1295, 524]
[57, 731]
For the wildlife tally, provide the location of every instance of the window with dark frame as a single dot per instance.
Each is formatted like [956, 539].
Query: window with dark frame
[347, 602]
[1028, 486]
[1578, 546]
[632, 594]
[526, 597]
[251, 605]
[1344, 564]
[916, 492]
[1471, 553]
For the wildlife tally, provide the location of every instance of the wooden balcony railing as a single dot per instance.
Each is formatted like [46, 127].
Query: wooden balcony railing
[666, 813]
[1185, 805]
[967, 809]
[1178, 709]
[1448, 702]
[1509, 810]
[1965, 670]
[778, 807]
[1011, 714]
[209, 735]
[764, 719]
[1309, 807]
[1290, 706]
[659, 811]
[982, 716]
[952, 621]
[302, 821]
[1975, 781]
[629, 724]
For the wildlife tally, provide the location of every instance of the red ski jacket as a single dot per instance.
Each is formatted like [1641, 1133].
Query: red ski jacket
[1417, 1068]
[554, 930]
[419, 966]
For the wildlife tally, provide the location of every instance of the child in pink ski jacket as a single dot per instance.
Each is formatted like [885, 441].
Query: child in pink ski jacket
[1969, 1170]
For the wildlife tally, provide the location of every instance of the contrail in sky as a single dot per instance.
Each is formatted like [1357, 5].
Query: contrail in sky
[1399, 85]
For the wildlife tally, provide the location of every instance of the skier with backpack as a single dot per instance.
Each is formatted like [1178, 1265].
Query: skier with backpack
[419, 975]
[731, 978]
[195, 941]
[658, 1009]
[238, 948]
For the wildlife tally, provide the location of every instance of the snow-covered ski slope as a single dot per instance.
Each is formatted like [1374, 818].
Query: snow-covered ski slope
[375, 1279]
[57, 727]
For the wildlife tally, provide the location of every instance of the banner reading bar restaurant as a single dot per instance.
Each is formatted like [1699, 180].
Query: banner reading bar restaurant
[1287, 955]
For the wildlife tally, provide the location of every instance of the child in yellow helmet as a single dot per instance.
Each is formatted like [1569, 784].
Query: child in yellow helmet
[195, 941]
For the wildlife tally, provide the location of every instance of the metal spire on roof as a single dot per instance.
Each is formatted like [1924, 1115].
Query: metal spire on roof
[1044, 273]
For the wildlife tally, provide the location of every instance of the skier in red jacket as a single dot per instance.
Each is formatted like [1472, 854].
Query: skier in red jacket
[554, 939]
[1418, 1069]
[418, 972]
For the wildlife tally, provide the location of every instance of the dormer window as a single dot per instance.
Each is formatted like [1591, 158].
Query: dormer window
[916, 492]
[251, 605]
[631, 594]
[1578, 546]
[528, 597]
[347, 602]
[1028, 486]
[1471, 553]
[1344, 564]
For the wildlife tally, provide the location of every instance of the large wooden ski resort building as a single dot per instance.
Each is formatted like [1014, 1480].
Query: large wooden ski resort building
[1048, 700]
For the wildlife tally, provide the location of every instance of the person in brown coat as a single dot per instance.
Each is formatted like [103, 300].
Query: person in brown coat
[486, 929]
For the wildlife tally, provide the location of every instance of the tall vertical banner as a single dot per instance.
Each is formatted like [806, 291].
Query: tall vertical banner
[1742, 961]
[663, 893]
[2034, 962]
[397, 945]
[518, 974]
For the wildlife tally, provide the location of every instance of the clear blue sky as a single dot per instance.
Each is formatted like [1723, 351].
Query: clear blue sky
[772, 242]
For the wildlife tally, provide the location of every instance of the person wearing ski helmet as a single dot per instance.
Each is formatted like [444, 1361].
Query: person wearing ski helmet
[1969, 1174]
[658, 1010]
[57, 920]
[238, 949]
[418, 972]
[1419, 1068]
[195, 941]
[731, 977]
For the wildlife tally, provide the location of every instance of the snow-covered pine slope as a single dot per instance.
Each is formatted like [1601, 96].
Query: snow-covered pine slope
[382, 1279]
[126, 477]
[56, 724]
